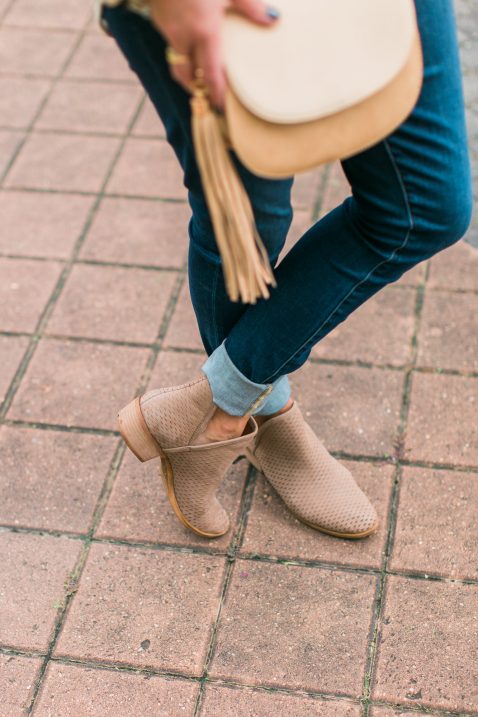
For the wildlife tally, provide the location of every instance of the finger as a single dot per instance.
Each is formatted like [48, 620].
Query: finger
[208, 57]
[257, 11]
[184, 74]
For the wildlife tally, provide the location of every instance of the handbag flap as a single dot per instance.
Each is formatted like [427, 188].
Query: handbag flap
[319, 58]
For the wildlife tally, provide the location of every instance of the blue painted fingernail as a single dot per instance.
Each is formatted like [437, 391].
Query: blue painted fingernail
[272, 13]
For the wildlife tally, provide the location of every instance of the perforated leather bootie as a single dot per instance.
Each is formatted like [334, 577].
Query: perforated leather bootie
[166, 422]
[316, 488]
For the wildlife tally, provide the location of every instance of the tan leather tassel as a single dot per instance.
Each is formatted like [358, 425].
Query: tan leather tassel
[246, 266]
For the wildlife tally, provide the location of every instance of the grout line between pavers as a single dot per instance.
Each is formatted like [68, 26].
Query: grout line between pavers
[232, 551]
[375, 627]
[154, 198]
[181, 677]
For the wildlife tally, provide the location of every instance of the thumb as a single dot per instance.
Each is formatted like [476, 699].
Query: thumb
[256, 10]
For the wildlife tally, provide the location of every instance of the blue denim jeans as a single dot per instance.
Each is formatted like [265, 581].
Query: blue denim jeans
[411, 197]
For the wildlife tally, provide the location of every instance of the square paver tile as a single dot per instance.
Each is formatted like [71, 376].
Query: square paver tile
[448, 337]
[112, 303]
[9, 142]
[380, 331]
[355, 410]
[74, 690]
[63, 162]
[139, 511]
[89, 107]
[78, 383]
[149, 168]
[455, 268]
[34, 52]
[428, 654]
[98, 58]
[34, 570]
[51, 479]
[174, 368]
[259, 703]
[443, 420]
[49, 14]
[144, 608]
[273, 530]
[295, 627]
[25, 287]
[12, 349]
[183, 329]
[20, 98]
[40, 224]
[437, 531]
[17, 680]
[148, 123]
[305, 189]
[137, 231]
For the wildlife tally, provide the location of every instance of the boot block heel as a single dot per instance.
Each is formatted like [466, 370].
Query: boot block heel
[135, 432]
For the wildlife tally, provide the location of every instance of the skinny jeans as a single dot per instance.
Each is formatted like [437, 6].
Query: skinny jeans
[411, 197]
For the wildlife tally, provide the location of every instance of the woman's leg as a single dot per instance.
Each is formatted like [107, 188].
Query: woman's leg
[411, 197]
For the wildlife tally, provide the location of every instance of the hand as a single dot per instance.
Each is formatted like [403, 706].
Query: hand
[193, 28]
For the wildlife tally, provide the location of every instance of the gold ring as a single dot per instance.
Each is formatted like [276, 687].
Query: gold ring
[176, 58]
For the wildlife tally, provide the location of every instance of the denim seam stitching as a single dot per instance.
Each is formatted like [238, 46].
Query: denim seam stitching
[381, 263]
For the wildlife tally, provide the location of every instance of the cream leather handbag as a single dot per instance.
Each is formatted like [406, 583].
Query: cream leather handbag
[328, 80]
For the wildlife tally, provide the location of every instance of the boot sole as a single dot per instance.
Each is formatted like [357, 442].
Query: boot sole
[137, 436]
[351, 536]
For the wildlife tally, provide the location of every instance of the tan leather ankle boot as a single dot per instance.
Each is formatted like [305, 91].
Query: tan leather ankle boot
[316, 488]
[166, 422]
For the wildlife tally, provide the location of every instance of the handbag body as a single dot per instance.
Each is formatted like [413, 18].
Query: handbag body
[329, 79]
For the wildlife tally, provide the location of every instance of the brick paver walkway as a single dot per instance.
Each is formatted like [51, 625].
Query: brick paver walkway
[107, 605]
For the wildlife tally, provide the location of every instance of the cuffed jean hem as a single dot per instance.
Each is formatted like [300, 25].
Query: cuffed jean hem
[236, 394]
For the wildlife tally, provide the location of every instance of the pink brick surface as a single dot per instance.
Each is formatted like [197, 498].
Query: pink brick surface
[448, 338]
[63, 162]
[12, 349]
[379, 332]
[89, 107]
[351, 409]
[52, 14]
[41, 225]
[20, 98]
[74, 691]
[104, 302]
[52, 479]
[35, 52]
[437, 531]
[35, 569]
[9, 142]
[147, 168]
[78, 383]
[25, 287]
[428, 645]
[183, 332]
[254, 703]
[17, 680]
[144, 608]
[442, 424]
[145, 232]
[289, 626]
[97, 58]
